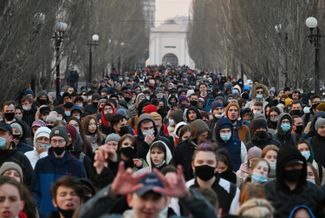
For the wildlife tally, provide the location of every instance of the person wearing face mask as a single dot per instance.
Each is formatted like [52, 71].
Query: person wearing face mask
[259, 93]
[298, 127]
[29, 110]
[58, 163]
[273, 117]
[260, 134]
[76, 111]
[290, 187]
[18, 138]
[147, 134]
[259, 172]
[42, 98]
[217, 112]
[200, 133]
[283, 134]
[204, 165]
[67, 197]
[41, 145]
[8, 152]
[8, 113]
[270, 154]
[224, 137]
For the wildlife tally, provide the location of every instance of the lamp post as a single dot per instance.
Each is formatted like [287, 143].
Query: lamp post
[314, 38]
[92, 43]
[60, 28]
[278, 30]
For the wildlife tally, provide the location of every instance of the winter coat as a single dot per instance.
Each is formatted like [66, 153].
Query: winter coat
[262, 142]
[21, 160]
[141, 146]
[226, 191]
[29, 116]
[48, 170]
[279, 194]
[236, 149]
[286, 139]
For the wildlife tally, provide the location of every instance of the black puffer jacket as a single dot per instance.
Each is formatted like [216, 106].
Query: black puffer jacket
[282, 198]
[262, 142]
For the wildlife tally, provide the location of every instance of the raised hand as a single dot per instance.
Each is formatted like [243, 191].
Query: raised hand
[126, 181]
[149, 139]
[172, 187]
[102, 154]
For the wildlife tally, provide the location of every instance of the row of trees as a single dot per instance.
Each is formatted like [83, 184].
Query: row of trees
[27, 47]
[266, 39]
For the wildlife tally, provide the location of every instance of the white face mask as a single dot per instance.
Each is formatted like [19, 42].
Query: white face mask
[218, 115]
[27, 107]
[171, 122]
[311, 180]
[148, 132]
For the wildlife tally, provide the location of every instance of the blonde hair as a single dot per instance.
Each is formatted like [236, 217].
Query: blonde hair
[256, 208]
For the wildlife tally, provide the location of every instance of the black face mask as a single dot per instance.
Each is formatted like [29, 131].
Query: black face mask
[204, 172]
[58, 150]
[128, 152]
[299, 129]
[49, 126]
[9, 116]
[261, 134]
[66, 213]
[194, 103]
[292, 175]
[296, 112]
[42, 101]
[124, 130]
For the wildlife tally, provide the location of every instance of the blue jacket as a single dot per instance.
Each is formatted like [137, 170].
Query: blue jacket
[48, 170]
[233, 145]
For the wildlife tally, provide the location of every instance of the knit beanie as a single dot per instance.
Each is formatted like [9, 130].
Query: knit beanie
[319, 122]
[42, 132]
[200, 126]
[259, 123]
[38, 123]
[216, 104]
[60, 131]
[11, 166]
[113, 137]
[150, 108]
[254, 152]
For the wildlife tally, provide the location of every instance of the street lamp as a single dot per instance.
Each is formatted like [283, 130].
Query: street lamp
[59, 29]
[278, 30]
[314, 38]
[93, 42]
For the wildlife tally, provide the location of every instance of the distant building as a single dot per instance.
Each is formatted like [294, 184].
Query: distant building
[168, 45]
[149, 12]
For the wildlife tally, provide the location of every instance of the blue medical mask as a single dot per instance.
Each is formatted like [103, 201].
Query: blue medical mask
[225, 136]
[258, 178]
[2, 143]
[67, 113]
[285, 127]
[306, 154]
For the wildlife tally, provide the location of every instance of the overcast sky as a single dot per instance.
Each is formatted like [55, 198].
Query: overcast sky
[170, 8]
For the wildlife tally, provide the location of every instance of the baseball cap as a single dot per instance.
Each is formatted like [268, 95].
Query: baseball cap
[149, 182]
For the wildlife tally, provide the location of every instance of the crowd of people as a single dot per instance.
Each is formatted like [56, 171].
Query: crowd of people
[163, 142]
